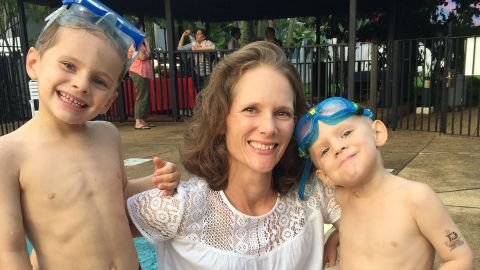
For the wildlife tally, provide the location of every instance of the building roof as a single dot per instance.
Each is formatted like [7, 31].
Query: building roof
[228, 10]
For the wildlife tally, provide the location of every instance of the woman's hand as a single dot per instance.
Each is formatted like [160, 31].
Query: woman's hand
[186, 33]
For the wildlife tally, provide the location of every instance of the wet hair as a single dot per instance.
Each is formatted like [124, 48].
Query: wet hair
[49, 36]
[204, 151]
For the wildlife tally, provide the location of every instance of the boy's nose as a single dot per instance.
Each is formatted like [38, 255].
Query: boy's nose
[80, 83]
[340, 150]
[338, 147]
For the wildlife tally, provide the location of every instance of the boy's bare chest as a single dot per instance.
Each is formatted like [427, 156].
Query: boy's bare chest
[63, 174]
[383, 224]
[380, 231]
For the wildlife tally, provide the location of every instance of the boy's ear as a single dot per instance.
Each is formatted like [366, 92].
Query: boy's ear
[324, 178]
[33, 58]
[381, 133]
[109, 103]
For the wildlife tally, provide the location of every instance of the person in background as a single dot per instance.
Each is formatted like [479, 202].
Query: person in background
[387, 222]
[62, 178]
[242, 209]
[271, 37]
[141, 72]
[201, 45]
[234, 42]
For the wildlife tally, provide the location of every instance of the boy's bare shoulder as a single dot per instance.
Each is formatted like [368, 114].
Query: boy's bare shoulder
[418, 193]
[104, 128]
[11, 143]
[11, 153]
[103, 124]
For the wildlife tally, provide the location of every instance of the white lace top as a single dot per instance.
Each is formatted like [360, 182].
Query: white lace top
[198, 228]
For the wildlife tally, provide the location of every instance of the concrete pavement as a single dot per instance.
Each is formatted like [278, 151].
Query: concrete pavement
[449, 164]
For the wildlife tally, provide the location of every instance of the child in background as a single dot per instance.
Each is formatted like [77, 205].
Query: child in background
[62, 178]
[387, 222]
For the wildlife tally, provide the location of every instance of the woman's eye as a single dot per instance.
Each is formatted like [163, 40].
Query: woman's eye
[249, 109]
[284, 114]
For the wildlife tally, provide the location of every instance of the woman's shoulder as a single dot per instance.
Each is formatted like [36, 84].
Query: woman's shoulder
[319, 199]
[195, 188]
[193, 184]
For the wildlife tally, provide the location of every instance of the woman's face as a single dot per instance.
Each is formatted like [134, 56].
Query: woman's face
[199, 36]
[260, 121]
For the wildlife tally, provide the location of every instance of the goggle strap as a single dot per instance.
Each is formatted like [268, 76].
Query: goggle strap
[55, 13]
[304, 178]
[360, 110]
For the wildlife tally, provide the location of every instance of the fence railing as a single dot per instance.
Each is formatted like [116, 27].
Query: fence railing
[420, 84]
[14, 97]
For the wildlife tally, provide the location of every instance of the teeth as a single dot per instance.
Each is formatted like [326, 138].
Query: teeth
[260, 146]
[72, 101]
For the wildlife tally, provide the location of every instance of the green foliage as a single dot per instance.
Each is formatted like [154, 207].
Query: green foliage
[37, 13]
[220, 34]
[303, 32]
[461, 15]
[8, 10]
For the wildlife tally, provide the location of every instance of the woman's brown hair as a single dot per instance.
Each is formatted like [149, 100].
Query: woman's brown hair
[204, 152]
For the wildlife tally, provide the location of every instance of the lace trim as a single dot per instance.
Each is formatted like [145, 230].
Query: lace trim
[207, 216]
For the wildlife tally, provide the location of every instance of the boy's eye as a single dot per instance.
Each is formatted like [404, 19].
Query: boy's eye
[69, 66]
[346, 133]
[100, 82]
[324, 151]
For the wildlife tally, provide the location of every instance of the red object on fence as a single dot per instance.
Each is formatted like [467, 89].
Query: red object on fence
[161, 98]
[160, 94]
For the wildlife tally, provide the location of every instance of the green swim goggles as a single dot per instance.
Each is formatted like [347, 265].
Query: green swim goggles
[331, 111]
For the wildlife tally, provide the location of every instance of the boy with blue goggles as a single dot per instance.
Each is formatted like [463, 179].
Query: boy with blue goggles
[331, 111]
[377, 207]
[64, 185]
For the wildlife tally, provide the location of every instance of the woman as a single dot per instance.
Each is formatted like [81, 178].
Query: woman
[141, 72]
[201, 45]
[242, 210]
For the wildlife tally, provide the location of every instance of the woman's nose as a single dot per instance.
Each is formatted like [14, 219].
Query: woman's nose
[267, 124]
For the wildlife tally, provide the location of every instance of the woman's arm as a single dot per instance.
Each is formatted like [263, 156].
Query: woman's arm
[182, 39]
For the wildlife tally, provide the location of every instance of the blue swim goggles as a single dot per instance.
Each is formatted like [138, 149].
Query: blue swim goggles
[331, 111]
[95, 15]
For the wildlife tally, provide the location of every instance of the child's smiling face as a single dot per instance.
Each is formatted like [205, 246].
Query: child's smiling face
[346, 153]
[77, 75]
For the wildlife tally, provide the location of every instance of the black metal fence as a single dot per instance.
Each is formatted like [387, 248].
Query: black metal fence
[14, 104]
[431, 85]
[419, 84]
